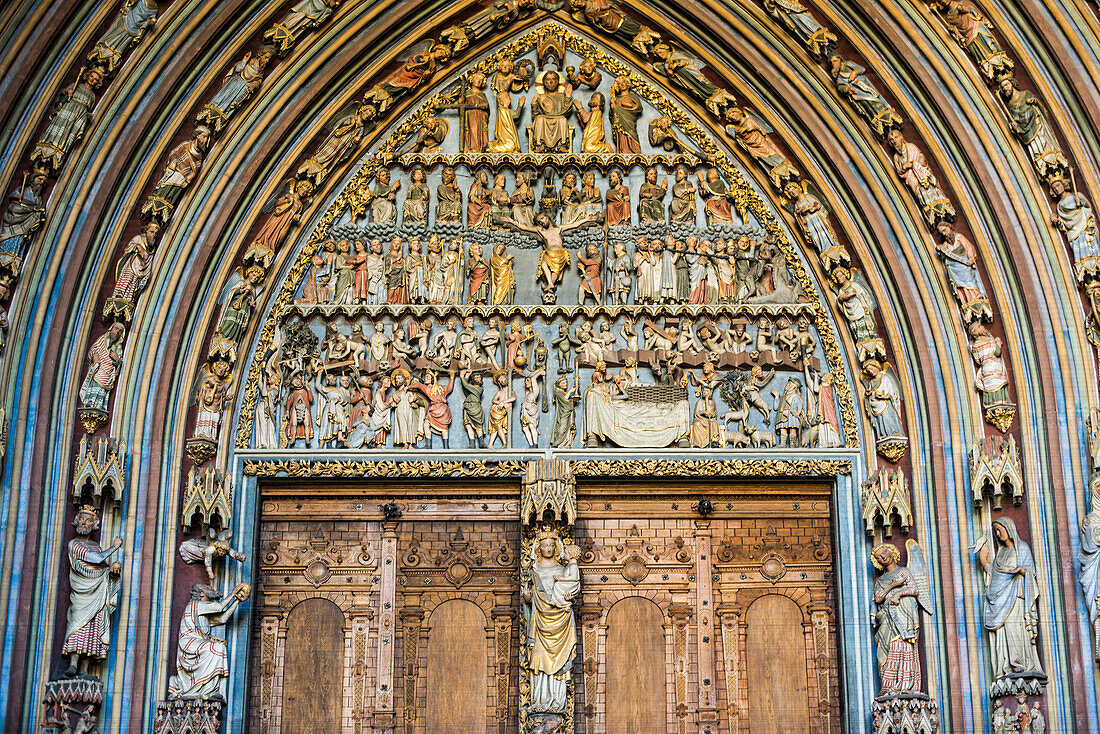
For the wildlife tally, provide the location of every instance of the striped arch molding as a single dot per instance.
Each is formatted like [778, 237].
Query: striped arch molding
[927, 130]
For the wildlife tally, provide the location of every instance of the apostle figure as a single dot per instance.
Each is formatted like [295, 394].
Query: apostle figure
[448, 207]
[523, 201]
[202, 660]
[93, 594]
[548, 596]
[814, 218]
[682, 206]
[383, 197]
[900, 593]
[239, 84]
[713, 190]
[1009, 613]
[500, 201]
[415, 207]
[550, 131]
[617, 200]
[66, 127]
[183, 165]
[651, 207]
[126, 30]
[478, 202]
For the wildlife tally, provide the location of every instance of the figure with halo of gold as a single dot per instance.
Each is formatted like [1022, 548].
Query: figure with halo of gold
[549, 592]
[550, 108]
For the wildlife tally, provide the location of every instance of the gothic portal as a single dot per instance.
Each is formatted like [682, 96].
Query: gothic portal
[546, 366]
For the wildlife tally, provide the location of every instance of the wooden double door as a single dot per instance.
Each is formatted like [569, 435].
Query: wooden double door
[685, 624]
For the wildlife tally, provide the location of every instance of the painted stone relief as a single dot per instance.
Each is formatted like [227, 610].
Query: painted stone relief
[553, 283]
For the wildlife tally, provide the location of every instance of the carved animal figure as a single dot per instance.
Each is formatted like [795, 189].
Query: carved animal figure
[738, 439]
[761, 437]
[809, 437]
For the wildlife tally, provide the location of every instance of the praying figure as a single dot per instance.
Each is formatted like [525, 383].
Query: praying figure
[1009, 613]
[593, 140]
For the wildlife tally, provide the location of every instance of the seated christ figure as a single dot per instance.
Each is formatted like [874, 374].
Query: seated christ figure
[549, 108]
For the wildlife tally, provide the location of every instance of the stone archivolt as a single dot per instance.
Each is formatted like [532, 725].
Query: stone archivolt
[395, 93]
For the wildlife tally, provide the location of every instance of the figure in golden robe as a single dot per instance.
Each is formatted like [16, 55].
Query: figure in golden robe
[549, 111]
[548, 595]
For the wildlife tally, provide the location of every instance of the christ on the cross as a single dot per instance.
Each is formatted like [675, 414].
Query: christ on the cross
[554, 258]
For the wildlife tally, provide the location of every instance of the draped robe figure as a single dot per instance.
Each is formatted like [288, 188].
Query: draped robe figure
[549, 110]
[93, 592]
[625, 109]
[126, 30]
[202, 660]
[24, 215]
[239, 84]
[66, 127]
[1008, 612]
[899, 594]
[551, 629]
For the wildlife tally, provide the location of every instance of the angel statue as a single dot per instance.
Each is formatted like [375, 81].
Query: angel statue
[1090, 562]
[901, 592]
[1009, 613]
[215, 545]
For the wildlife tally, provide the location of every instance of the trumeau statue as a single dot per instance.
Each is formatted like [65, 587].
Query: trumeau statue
[202, 660]
[1009, 613]
[900, 594]
[549, 593]
[93, 594]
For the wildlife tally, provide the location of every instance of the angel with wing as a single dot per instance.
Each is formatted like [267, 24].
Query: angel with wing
[285, 208]
[215, 545]
[900, 594]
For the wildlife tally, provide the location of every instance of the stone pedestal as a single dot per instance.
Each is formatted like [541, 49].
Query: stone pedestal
[188, 716]
[70, 702]
[916, 714]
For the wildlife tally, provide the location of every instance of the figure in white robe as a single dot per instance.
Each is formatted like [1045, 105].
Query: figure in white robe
[202, 662]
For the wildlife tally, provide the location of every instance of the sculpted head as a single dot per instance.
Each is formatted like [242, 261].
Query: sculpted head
[550, 82]
[885, 556]
[86, 521]
[542, 219]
